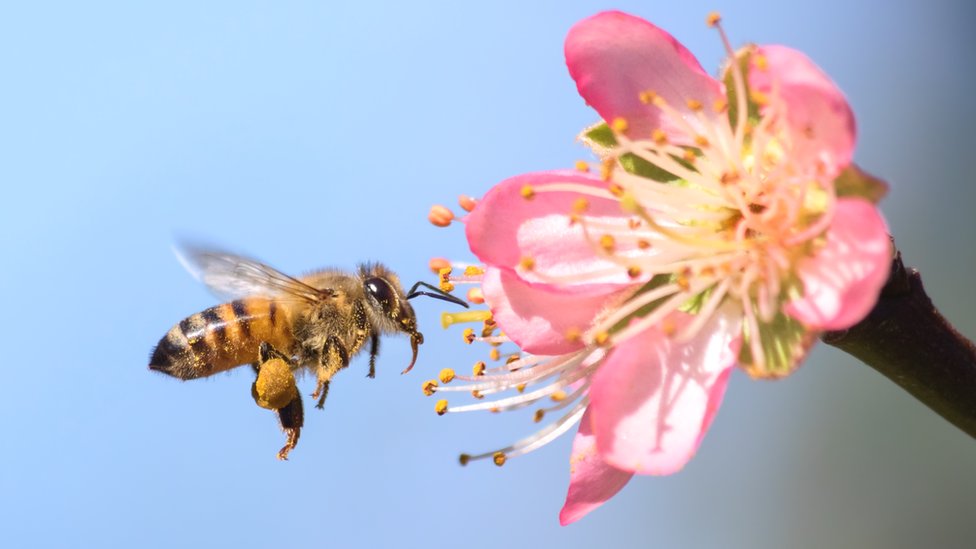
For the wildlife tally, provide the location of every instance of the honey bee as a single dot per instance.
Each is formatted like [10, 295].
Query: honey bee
[279, 324]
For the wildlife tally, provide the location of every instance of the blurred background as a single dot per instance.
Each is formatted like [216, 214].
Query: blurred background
[319, 133]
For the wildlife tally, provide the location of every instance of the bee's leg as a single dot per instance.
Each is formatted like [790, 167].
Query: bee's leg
[374, 351]
[291, 417]
[334, 357]
[275, 389]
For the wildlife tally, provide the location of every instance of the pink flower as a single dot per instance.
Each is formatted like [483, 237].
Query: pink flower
[713, 236]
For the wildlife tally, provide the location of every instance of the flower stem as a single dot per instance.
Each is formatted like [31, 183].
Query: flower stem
[907, 340]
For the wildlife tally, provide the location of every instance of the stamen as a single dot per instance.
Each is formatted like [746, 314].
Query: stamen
[468, 335]
[582, 166]
[430, 387]
[467, 203]
[440, 216]
[440, 407]
[436, 264]
[476, 296]
[619, 124]
[527, 192]
[527, 263]
[478, 369]
[446, 375]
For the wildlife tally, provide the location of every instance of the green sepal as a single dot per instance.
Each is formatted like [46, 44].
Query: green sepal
[638, 166]
[598, 137]
[695, 304]
[655, 282]
[854, 181]
[784, 342]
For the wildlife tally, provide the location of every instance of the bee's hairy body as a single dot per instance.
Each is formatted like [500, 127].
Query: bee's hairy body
[317, 322]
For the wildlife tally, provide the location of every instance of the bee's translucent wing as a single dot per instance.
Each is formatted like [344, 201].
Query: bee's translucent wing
[232, 276]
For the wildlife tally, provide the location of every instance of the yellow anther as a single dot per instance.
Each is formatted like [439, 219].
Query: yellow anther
[601, 338]
[606, 168]
[520, 387]
[630, 204]
[436, 264]
[659, 137]
[643, 244]
[608, 243]
[633, 223]
[446, 375]
[445, 272]
[494, 410]
[489, 325]
[468, 335]
[713, 18]
[694, 104]
[619, 124]
[478, 369]
[668, 327]
[573, 335]
[527, 192]
[466, 202]
[701, 141]
[760, 62]
[616, 190]
[476, 296]
[539, 414]
[477, 394]
[430, 387]
[580, 205]
[473, 270]
[682, 280]
[440, 216]
[527, 263]
[558, 396]
[447, 286]
[659, 101]
[582, 166]
[689, 156]
[634, 271]
[759, 98]
[463, 459]
[512, 358]
[441, 407]
[729, 178]
[647, 97]
[499, 458]
[720, 105]
[494, 354]
[708, 271]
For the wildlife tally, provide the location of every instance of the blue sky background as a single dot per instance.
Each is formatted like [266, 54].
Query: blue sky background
[314, 134]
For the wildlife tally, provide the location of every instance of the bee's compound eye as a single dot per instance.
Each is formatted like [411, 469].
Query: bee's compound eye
[380, 290]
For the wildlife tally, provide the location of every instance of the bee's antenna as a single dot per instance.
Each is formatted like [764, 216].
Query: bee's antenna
[437, 294]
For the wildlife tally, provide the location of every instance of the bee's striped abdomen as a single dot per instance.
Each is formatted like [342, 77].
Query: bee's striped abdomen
[221, 338]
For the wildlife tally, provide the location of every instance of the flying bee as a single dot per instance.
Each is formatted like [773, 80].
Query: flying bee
[279, 324]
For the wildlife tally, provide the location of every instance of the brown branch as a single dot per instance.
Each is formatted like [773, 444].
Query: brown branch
[909, 342]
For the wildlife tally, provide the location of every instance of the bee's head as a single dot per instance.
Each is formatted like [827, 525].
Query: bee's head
[390, 306]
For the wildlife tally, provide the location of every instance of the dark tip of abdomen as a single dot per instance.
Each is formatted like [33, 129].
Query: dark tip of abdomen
[170, 359]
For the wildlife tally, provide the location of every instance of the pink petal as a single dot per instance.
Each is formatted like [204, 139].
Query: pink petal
[841, 283]
[820, 121]
[591, 480]
[536, 317]
[505, 227]
[652, 399]
[614, 57]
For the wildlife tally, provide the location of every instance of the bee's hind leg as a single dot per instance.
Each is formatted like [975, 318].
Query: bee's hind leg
[275, 389]
[291, 417]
